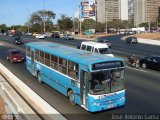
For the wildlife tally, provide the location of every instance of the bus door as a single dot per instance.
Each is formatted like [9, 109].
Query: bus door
[83, 88]
[32, 62]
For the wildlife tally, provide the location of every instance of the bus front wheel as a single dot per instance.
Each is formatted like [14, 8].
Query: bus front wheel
[39, 77]
[71, 97]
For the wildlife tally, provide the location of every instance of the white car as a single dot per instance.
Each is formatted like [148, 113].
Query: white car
[40, 36]
[29, 34]
[68, 37]
[96, 47]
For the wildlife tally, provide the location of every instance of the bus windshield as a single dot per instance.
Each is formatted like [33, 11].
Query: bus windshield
[108, 81]
[104, 51]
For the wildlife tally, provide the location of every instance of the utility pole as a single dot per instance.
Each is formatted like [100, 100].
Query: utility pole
[137, 21]
[28, 19]
[80, 18]
[44, 24]
[106, 20]
[80, 26]
[149, 27]
[106, 15]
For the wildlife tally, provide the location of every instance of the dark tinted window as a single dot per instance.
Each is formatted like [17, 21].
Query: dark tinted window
[129, 39]
[156, 59]
[89, 48]
[17, 39]
[83, 47]
[134, 37]
[15, 52]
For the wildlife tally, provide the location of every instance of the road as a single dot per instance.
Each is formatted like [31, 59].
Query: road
[121, 48]
[142, 86]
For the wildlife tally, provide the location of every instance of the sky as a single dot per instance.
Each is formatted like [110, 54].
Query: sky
[16, 12]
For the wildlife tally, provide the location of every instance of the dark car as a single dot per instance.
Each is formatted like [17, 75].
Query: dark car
[131, 40]
[17, 41]
[107, 42]
[15, 55]
[55, 35]
[152, 62]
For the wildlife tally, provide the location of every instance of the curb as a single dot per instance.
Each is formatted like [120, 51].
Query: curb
[149, 41]
[40, 105]
[14, 105]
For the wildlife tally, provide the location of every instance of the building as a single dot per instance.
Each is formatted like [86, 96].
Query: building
[109, 10]
[146, 11]
[130, 9]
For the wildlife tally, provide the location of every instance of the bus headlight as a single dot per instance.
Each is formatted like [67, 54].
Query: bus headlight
[96, 104]
[121, 98]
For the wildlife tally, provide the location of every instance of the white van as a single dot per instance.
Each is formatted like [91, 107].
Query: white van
[96, 48]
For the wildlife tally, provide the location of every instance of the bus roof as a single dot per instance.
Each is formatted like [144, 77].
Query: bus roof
[73, 54]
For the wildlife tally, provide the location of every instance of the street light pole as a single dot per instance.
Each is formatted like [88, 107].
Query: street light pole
[80, 18]
[106, 17]
[148, 18]
[28, 20]
[137, 21]
[44, 24]
[106, 22]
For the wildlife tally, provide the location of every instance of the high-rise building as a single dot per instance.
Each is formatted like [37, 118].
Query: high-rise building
[130, 9]
[152, 10]
[146, 11]
[109, 10]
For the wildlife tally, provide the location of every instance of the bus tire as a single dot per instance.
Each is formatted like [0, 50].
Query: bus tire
[39, 76]
[71, 96]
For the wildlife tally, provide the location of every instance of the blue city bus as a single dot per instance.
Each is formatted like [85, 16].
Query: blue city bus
[93, 81]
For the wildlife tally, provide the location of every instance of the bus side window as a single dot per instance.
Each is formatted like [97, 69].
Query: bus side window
[54, 62]
[37, 55]
[47, 59]
[89, 48]
[73, 70]
[63, 65]
[42, 57]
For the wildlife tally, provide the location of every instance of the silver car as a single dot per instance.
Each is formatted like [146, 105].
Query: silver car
[68, 37]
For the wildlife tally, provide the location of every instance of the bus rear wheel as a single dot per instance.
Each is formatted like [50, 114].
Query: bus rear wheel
[71, 96]
[39, 76]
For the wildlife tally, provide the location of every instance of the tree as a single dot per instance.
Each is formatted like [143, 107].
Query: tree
[116, 24]
[88, 24]
[65, 23]
[3, 28]
[143, 25]
[100, 27]
[76, 25]
[40, 18]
